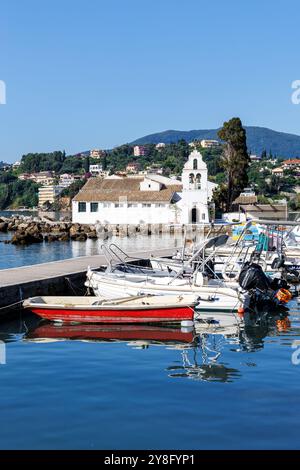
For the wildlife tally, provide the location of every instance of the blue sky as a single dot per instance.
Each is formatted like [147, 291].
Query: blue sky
[95, 73]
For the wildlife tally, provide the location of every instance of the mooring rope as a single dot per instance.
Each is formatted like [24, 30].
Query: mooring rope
[12, 305]
[74, 287]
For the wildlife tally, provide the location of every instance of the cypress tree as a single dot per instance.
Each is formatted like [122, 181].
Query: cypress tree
[234, 160]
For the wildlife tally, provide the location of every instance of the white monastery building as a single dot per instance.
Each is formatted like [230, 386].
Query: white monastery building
[147, 199]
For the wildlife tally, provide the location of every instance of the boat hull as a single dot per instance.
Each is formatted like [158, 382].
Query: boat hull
[152, 315]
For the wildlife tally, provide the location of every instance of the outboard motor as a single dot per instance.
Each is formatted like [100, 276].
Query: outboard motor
[252, 277]
[265, 293]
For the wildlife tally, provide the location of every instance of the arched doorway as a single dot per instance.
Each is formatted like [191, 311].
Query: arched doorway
[194, 215]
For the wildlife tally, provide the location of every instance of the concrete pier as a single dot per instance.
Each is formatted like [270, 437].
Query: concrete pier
[55, 278]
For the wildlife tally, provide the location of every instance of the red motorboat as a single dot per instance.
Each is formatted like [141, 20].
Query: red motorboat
[139, 309]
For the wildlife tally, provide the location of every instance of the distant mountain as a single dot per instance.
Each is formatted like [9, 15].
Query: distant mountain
[258, 139]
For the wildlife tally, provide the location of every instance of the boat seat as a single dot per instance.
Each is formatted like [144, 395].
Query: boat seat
[38, 300]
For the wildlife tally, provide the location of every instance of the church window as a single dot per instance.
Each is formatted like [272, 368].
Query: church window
[195, 164]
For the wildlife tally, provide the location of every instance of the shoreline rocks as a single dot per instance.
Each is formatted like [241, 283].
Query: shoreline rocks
[30, 229]
[27, 230]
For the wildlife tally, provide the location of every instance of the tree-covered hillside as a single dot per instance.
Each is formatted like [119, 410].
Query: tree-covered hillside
[55, 161]
[16, 193]
[258, 139]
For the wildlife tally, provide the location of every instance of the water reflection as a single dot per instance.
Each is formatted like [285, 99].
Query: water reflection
[143, 335]
[204, 353]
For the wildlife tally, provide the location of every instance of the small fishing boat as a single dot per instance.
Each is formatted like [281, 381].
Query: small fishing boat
[134, 309]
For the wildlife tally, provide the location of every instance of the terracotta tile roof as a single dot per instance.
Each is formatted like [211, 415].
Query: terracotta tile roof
[264, 207]
[245, 200]
[111, 190]
[295, 161]
[177, 188]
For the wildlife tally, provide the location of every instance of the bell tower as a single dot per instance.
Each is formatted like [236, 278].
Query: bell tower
[194, 190]
[194, 174]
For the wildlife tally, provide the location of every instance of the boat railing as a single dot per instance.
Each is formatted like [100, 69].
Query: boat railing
[118, 260]
[115, 255]
[200, 256]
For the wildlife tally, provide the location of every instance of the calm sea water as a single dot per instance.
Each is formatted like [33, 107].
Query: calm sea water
[69, 388]
[89, 387]
[12, 256]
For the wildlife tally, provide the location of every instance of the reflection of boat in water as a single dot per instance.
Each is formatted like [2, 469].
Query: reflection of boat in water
[203, 362]
[112, 333]
[202, 353]
[206, 361]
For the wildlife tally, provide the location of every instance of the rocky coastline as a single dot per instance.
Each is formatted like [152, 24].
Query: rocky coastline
[26, 230]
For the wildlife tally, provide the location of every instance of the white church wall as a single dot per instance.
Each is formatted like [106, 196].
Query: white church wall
[135, 213]
[191, 205]
[149, 185]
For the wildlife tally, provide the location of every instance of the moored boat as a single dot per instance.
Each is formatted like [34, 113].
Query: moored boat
[211, 297]
[137, 309]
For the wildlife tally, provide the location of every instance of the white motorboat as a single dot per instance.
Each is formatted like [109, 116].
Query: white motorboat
[212, 298]
[224, 260]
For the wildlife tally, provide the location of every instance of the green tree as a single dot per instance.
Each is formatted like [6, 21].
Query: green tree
[234, 161]
[264, 155]
[87, 164]
[73, 189]
[36, 162]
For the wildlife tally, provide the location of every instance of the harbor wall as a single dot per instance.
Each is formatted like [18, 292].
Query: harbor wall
[11, 296]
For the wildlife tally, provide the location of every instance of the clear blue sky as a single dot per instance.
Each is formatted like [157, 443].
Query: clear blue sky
[98, 73]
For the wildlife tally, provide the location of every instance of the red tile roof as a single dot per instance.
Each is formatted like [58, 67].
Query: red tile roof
[111, 190]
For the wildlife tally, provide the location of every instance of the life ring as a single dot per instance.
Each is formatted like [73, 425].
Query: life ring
[235, 269]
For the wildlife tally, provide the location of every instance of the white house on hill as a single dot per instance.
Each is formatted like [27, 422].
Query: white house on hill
[146, 199]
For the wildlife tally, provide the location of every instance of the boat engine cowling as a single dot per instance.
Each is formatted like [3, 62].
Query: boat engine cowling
[252, 277]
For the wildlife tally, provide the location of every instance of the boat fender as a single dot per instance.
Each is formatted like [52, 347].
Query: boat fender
[241, 312]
